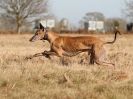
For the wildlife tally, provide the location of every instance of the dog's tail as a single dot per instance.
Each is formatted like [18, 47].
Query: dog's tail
[111, 42]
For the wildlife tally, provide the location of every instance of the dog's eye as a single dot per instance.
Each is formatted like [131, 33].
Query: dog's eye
[36, 33]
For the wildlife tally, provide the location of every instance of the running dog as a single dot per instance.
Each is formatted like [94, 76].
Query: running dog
[71, 46]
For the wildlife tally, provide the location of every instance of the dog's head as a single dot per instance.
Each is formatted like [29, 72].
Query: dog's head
[40, 34]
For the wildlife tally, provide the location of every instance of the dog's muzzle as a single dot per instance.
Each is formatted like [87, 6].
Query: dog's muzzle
[32, 39]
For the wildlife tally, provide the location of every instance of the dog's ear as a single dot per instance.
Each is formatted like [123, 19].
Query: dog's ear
[41, 27]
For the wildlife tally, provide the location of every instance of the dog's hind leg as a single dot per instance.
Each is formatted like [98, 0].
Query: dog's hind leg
[92, 55]
[99, 57]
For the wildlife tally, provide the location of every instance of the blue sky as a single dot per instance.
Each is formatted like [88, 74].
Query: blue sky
[74, 10]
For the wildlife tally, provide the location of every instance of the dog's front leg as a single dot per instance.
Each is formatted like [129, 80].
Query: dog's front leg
[35, 55]
[49, 53]
[39, 54]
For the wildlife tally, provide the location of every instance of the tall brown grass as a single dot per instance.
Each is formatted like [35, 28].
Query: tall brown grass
[40, 78]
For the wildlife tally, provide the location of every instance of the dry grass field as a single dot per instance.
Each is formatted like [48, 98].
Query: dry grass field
[40, 78]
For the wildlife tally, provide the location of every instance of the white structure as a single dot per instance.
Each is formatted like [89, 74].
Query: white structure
[92, 25]
[95, 25]
[99, 25]
[50, 23]
[43, 23]
[64, 24]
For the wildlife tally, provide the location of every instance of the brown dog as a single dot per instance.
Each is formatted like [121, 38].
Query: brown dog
[71, 46]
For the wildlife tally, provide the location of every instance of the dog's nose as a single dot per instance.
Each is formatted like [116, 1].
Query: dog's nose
[31, 40]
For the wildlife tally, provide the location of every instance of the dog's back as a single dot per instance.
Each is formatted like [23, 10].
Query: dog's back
[69, 43]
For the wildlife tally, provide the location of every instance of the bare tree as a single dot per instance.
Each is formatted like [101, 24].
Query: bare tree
[111, 23]
[21, 12]
[129, 9]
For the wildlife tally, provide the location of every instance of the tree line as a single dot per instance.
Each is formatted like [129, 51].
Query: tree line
[18, 14]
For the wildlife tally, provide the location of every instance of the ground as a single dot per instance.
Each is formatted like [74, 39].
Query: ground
[40, 78]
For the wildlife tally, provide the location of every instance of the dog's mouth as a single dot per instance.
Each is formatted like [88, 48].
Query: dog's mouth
[34, 38]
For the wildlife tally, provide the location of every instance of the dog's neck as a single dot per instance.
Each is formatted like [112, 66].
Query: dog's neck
[52, 36]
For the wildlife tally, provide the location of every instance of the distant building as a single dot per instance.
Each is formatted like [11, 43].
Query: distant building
[46, 22]
[94, 26]
[64, 24]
